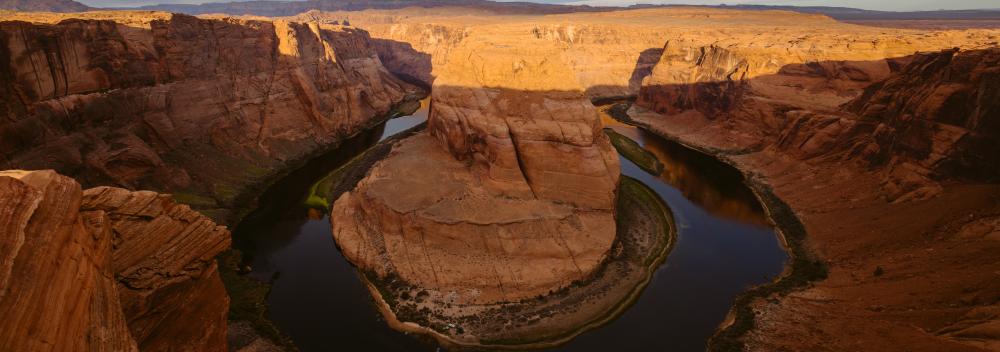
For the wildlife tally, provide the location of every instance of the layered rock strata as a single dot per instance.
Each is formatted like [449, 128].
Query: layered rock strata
[517, 186]
[936, 117]
[106, 269]
[894, 184]
[611, 52]
[913, 118]
[731, 82]
[199, 107]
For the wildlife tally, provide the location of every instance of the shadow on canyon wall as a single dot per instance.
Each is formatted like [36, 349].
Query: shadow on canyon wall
[644, 67]
[936, 111]
[416, 67]
[404, 61]
[884, 113]
[888, 115]
[190, 112]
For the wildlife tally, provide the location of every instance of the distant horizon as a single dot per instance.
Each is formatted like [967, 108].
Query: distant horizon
[888, 5]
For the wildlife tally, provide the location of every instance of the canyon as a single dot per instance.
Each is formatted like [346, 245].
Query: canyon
[873, 151]
[201, 108]
[205, 109]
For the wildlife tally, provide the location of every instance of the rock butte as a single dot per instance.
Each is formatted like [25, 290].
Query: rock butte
[808, 94]
[517, 186]
[887, 157]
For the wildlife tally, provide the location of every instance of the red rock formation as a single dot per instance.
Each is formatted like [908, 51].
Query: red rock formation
[164, 261]
[891, 181]
[106, 269]
[517, 184]
[611, 52]
[173, 102]
[709, 79]
[939, 115]
[59, 291]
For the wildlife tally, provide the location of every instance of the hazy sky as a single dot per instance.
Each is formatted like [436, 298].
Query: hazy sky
[891, 5]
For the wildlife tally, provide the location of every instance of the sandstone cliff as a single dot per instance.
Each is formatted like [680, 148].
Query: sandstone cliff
[106, 269]
[937, 117]
[517, 184]
[769, 97]
[611, 52]
[885, 163]
[200, 107]
[914, 118]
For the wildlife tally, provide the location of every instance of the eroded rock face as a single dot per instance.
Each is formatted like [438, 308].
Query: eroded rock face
[910, 148]
[164, 262]
[424, 217]
[849, 101]
[709, 79]
[517, 185]
[130, 270]
[203, 107]
[611, 52]
[937, 116]
[59, 291]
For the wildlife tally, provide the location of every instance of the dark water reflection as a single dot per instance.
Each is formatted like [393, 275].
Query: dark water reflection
[317, 298]
[715, 187]
[724, 246]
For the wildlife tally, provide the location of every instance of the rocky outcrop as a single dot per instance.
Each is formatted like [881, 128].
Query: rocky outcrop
[43, 5]
[199, 107]
[129, 270]
[924, 120]
[708, 79]
[936, 118]
[58, 285]
[517, 185]
[903, 159]
[164, 262]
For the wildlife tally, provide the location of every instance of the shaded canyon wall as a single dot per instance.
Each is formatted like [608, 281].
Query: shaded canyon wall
[200, 107]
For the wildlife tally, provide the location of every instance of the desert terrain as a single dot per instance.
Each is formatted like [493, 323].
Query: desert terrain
[510, 218]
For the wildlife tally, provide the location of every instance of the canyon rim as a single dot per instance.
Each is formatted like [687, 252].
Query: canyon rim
[498, 175]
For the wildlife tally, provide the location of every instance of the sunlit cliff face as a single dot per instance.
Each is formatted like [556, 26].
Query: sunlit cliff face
[610, 53]
[514, 173]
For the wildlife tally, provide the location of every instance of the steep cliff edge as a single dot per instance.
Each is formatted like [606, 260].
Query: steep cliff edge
[767, 97]
[893, 183]
[611, 52]
[203, 108]
[106, 269]
[937, 117]
[508, 195]
[517, 185]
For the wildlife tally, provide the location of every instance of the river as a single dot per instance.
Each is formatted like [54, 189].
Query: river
[724, 245]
